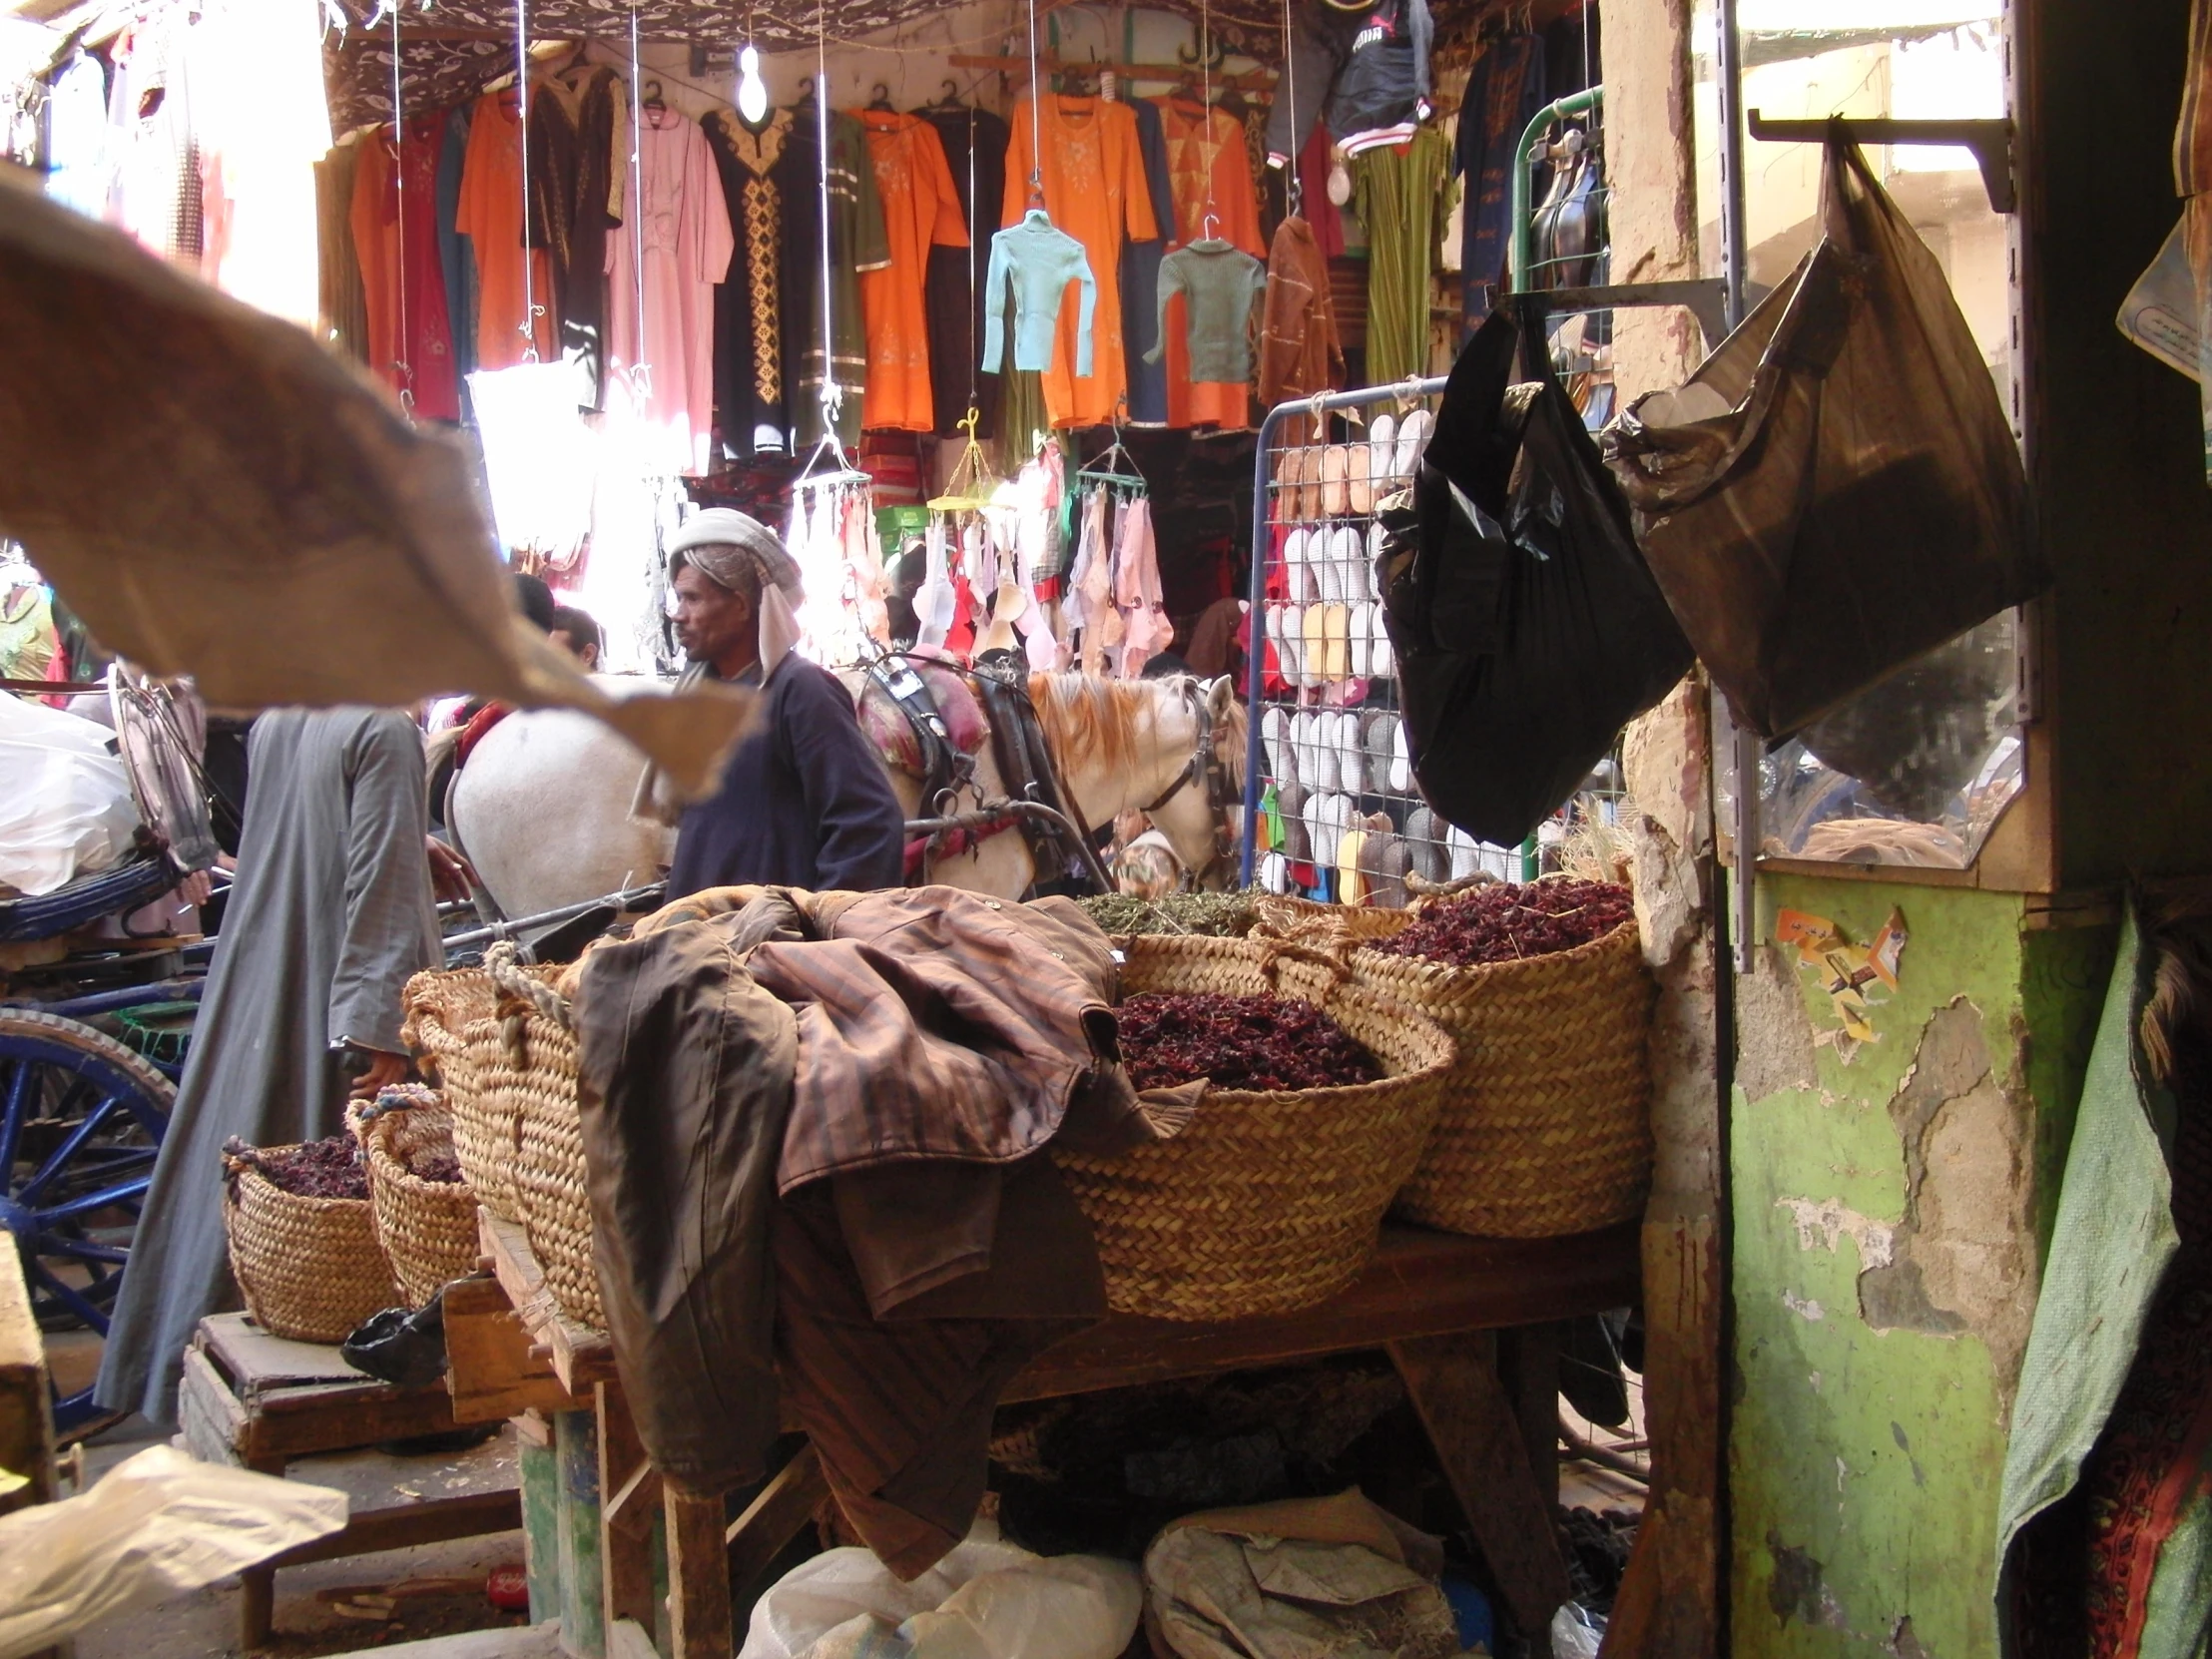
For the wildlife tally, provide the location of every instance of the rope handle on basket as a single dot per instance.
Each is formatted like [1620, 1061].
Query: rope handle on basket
[505, 969]
[1276, 951]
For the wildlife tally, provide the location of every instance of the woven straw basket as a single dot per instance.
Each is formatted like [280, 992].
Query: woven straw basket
[451, 1027]
[1269, 1200]
[534, 1087]
[427, 1228]
[309, 1268]
[1545, 1128]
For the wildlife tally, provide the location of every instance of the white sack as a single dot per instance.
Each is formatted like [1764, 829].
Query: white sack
[65, 803]
[158, 1526]
[985, 1600]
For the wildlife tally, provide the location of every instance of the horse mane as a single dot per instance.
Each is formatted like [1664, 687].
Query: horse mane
[1082, 715]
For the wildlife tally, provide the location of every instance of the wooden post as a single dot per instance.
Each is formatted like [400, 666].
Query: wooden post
[697, 1576]
[541, 1514]
[1454, 1386]
[628, 1489]
[583, 1610]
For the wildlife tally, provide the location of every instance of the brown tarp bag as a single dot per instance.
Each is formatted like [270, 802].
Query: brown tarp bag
[1836, 490]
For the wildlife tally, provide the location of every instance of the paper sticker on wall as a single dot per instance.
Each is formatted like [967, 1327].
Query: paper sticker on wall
[1858, 978]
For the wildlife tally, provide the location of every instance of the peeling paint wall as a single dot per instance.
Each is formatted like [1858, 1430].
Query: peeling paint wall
[1888, 1213]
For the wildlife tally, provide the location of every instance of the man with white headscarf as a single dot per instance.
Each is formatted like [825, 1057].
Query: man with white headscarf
[804, 802]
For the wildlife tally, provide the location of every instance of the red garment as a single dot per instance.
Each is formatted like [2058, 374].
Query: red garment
[1313, 191]
[490, 715]
[411, 343]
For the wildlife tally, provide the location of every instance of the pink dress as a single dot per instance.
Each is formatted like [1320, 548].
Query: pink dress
[687, 247]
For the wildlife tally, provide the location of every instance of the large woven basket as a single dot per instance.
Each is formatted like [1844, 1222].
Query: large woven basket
[1268, 1201]
[1545, 1128]
[427, 1228]
[309, 1268]
[456, 1038]
[534, 1087]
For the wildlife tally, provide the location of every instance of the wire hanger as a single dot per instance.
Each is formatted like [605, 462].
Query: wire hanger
[972, 485]
[651, 97]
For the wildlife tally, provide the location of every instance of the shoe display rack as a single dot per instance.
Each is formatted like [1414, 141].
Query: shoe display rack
[1332, 810]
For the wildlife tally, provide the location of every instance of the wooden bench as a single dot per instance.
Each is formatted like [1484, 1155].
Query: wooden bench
[259, 1402]
[1470, 1324]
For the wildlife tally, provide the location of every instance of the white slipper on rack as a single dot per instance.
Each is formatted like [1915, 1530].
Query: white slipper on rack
[1382, 453]
[1303, 762]
[1321, 560]
[1377, 571]
[1352, 772]
[1343, 559]
[1466, 859]
[1381, 660]
[1297, 577]
[1275, 738]
[1272, 874]
[1362, 618]
[1413, 439]
[1402, 760]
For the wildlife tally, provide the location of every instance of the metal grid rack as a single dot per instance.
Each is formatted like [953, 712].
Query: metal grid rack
[1326, 750]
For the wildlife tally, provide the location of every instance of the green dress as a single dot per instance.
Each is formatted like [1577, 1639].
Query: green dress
[1400, 197]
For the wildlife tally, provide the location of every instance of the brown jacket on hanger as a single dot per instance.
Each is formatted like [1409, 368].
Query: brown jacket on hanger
[1299, 352]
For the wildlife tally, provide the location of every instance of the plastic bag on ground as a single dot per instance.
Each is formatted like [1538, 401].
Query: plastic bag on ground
[65, 801]
[985, 1600]
[1306, 1577]
[157, 1526]
[1837, 489]
[1575, 1634]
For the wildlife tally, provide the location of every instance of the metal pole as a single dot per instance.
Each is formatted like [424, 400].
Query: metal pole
[1735, 262]
[1581, 103]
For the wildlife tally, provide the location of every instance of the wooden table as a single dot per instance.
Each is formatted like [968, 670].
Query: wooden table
[258, 1401]
[1470, 1324]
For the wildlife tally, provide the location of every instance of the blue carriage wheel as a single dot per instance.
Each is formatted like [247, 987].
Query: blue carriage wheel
[81, 1119]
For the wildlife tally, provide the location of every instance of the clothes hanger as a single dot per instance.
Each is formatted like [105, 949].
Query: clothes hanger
[651, 99]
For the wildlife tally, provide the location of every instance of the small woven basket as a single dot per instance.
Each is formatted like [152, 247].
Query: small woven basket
[427, 1228]
[534, 1087]
[456, 1038]
[309, 1268]
[1269, 1200]
[1545, 1128]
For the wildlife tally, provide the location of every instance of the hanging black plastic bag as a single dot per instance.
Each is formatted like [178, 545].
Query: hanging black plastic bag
[1835, 491]
[1527, 629]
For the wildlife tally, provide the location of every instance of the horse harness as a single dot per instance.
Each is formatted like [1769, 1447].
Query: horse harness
[946, 769]
[1204, 766]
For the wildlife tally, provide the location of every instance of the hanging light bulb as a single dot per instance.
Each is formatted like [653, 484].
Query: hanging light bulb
[752, 89]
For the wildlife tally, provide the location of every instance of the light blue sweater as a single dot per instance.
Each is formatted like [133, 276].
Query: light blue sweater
[1042, 260]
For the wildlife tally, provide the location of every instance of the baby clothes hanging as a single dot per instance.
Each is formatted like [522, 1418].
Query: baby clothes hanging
[1145, 629]
[748, 299]
[1092, 178]
[1217, 284]
[1038, 261]
[688, 247]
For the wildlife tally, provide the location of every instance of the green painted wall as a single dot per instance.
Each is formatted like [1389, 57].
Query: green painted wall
[1888, 1213]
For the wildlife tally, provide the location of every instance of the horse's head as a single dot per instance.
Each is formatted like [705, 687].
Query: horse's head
[1202, 812]
[1172, 748]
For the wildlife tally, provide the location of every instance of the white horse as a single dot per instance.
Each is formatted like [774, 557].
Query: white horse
[542, 807]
